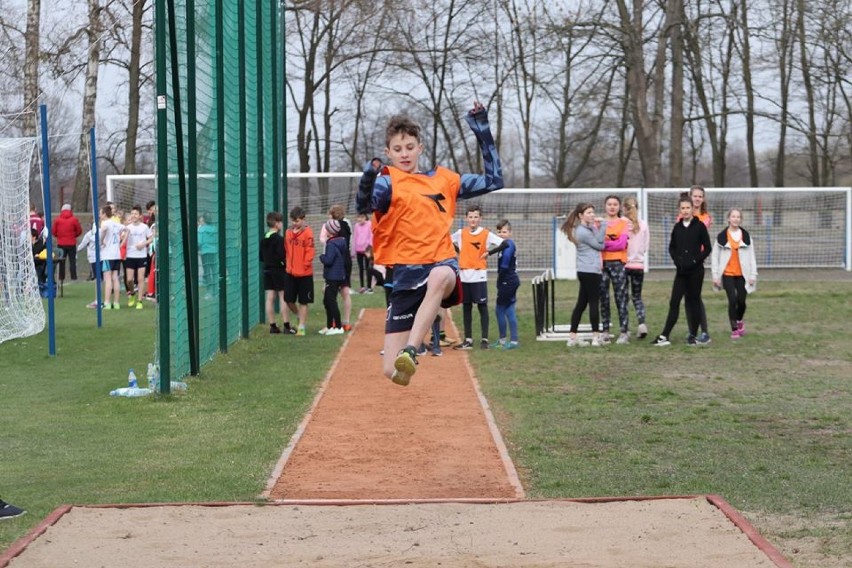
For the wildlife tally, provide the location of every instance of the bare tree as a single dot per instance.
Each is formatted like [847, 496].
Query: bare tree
[80, 199]
[647, 122]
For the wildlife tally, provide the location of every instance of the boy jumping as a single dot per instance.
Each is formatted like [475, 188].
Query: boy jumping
[413, 213]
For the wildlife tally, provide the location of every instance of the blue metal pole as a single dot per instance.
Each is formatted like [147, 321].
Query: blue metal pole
[97, 222]
[51, 290]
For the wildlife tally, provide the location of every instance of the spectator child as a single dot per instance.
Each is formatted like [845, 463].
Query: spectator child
[299, 253]
[734, 268]
[473, 245]
[362, 237]
[588, 234]
[89, 243]
[334, 272]
[275, 272]
[507, 288]
[689, 247]
[699, 208]
[638, 241]
[112, 237]
[208, 250]
[614, 258]
[137, 240]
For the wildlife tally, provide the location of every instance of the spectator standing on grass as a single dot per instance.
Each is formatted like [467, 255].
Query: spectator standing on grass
[362, 237]
[639, 239]
[89, 243]
[734, 268]
[275, 273]
[473, 244]
[689, 247]
[338, 213]
[587, 233]
[66, 229]
[508, 283]
[299, 252]
[208, 250]
[112, 235]
[614, 258]
[138, 239]
[334, 273]
[413, 213]
[699, 208]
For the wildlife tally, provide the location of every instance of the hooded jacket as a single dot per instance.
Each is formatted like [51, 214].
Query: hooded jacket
[722, 252]
[66, 229]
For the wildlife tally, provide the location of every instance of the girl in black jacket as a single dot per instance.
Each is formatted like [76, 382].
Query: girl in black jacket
[688, 247]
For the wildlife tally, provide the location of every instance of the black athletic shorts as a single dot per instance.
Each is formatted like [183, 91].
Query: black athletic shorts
[274, 279]
[475, 292]
[299, 289]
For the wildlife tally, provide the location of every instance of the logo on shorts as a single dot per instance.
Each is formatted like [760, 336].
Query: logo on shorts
[403, 317]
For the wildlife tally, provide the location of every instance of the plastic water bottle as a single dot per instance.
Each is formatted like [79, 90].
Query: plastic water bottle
[178, 386]
[130, 392]
[131, 380]
[153, 378]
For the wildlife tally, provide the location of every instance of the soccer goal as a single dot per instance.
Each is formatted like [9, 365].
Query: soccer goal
[21, 310]
[127, 190]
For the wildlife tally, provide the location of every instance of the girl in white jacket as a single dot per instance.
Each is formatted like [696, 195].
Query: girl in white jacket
[735, 269]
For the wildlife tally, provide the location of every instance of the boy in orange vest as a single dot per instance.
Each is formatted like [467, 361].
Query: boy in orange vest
[474, 245]
[412, 215]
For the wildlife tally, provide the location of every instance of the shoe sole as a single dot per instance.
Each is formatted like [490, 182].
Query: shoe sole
[404, 369]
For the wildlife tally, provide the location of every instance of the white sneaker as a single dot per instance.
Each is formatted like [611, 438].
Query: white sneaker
[335, 331]
[623, 339]
[643, 331]
[572, 342]
[596, 342]
[323, 331]
[606, 338]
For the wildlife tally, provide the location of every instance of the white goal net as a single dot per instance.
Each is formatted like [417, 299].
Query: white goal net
[127, 191]
[21, 309]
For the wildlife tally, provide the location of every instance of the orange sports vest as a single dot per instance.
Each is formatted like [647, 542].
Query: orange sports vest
[416, 227]
[734, 268]
[472, 247]
[615, 229]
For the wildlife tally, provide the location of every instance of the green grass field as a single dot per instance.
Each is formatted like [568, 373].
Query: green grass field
[766, 422]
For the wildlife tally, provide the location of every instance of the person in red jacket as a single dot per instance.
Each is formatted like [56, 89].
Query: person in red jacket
[66, 229]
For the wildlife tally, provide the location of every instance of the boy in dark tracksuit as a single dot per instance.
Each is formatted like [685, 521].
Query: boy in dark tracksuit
[689, 246]
[274, 272]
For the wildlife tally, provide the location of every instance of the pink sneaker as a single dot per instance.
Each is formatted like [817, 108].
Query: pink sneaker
[735, 334]
[741, 327]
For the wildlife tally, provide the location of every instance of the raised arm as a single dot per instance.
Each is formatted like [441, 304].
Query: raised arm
[364, 202]
[473, 185]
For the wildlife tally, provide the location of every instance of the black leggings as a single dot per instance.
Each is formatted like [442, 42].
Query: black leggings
[467, 313]
[329, 302]
[590, 293]
[364, 269]
[686, 286]
[736, 291]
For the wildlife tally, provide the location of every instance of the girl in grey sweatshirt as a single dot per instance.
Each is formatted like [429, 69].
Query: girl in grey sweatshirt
[584, 230]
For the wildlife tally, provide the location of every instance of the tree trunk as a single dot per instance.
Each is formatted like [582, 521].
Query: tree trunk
[804, 60]
[754, 180]
[80, 199]
[784, 43]
[31, 67]
[645, 125]
[133, 74]
[676, 125]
